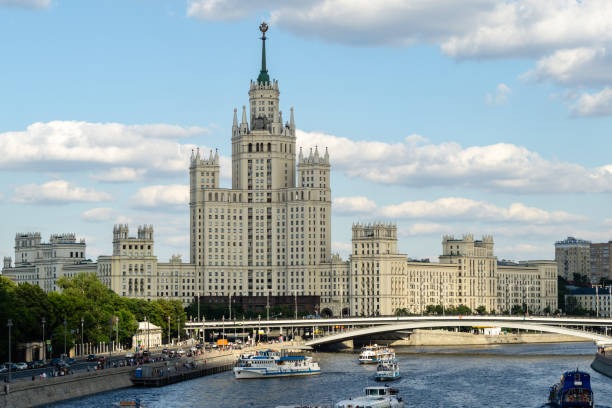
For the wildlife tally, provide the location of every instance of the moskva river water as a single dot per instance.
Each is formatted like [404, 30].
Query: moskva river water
[488, 376]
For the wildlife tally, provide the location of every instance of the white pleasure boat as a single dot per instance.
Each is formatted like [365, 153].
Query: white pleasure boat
[266, 364]
[375, 397]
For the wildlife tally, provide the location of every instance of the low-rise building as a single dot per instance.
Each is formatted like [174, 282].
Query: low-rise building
[147, 336]
[596, 300]
[133, 270]
[43, 263]
[382, 281]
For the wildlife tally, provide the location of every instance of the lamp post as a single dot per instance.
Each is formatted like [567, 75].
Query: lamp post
[258, 328]
[82, 335]
[223, 326]
[230, 306]
[9, 324]
[44, 356]
[178, 329]
[117, 334]
[65, 325]
[168, 329]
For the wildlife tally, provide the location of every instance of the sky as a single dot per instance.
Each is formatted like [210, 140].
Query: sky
[480, 116]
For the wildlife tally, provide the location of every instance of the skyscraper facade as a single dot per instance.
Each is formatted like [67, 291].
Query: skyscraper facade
[270, 233]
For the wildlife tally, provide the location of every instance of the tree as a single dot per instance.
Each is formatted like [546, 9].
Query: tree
[401, 312]
[463, 310]
[517, 309]
[481, 310]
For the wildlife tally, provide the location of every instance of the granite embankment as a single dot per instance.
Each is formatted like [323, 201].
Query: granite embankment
[24, 394]
[603, 364]
[449, 338]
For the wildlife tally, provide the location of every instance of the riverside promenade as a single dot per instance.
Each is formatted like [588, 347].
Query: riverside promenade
[27, 393]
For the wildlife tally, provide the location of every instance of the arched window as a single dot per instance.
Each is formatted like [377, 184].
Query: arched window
[269, 147]
[209, 196]
[216, 196]
[240, 197]
[234, 198]
[250, 147]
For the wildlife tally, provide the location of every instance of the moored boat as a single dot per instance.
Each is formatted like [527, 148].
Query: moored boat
[266, 364]
[368, 354]
[574, 390]
[375, 397]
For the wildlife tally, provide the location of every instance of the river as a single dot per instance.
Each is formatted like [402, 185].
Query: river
[481, 376]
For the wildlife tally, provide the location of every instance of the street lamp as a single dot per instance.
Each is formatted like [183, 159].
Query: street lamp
[9, 324]
[168, 329]
[258, 328]
[65, 324]
[82, 341]
[44, 344]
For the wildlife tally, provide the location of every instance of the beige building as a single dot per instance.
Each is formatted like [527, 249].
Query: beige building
[271, 232]
[147, 336]
[133, 270]
[381, 280]
[43, 263]
[598, 300]
[573, 256]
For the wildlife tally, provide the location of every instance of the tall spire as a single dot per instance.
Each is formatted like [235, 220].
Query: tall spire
[263, 74]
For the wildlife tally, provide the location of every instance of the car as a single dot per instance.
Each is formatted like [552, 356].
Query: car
[129, 354]
[165, 351]
[55, 361]
[92, 357]
[3, 368]
[61, 365]
[39, 364]
[70, 360]
[101, 359]
[21, 366]
[30, 364]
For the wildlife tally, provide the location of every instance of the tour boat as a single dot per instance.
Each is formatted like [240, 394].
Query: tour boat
[387, 370]
[375, 397]
[574, 390]
[266, 364]
[368, 354]
[375, 353]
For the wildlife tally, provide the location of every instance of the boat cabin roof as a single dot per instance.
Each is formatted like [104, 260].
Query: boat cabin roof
[574, 379]
[377, 391]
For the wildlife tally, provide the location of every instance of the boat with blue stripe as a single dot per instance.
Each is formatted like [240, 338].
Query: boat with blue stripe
[574, 390]
[271, 363]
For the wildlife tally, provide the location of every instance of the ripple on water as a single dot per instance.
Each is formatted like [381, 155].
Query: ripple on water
[498, 376]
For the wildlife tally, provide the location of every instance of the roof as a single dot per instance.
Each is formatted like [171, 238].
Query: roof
[143, 326]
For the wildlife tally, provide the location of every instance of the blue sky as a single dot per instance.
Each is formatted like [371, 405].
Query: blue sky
[489, 117]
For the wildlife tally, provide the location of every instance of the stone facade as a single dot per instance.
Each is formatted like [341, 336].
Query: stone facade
[133, 270]
[43, 263]
[593, 299]
[270, 234]
[381, 280]
[573, 256]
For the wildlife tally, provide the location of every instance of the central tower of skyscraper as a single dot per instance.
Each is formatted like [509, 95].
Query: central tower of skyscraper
[271, 232]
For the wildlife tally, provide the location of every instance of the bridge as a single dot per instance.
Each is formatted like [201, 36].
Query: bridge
[335, 330]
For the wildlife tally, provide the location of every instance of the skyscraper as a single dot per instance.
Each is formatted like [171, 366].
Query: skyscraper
[271, 231]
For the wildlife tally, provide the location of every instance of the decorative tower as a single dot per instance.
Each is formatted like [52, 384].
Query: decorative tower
[263, 150]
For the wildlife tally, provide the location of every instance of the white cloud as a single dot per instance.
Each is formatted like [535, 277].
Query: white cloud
[568, 39]
[499, 96]
[174, 196]
[103, 214]
[598, 104]
[426, 228]
[353, 205]
[608, 222]
[455, 208]
[120, 175]
[499, 167]
[57, 192]
[452, 209]
[70, 145]
[34, 4]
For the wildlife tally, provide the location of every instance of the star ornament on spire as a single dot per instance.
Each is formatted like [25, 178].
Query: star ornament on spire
[263, 28]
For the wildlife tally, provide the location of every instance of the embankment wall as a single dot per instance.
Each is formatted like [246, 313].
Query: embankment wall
[602, 365]
[447, 338]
